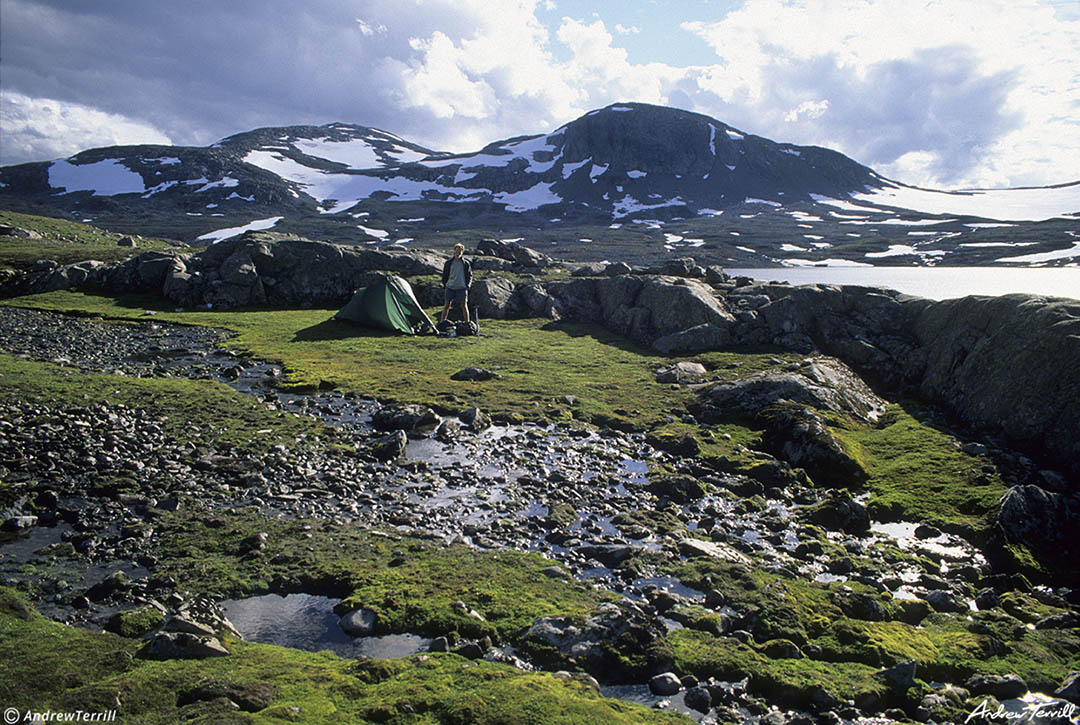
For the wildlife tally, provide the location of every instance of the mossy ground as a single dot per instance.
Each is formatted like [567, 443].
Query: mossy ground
[411, 584]
[195, 411]
[943, 646]
[48, 666]
[67, 242]
[548, 372]
[543, 366]
[917, 472]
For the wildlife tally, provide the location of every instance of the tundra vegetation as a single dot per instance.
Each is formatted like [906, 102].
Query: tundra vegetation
[791, 640]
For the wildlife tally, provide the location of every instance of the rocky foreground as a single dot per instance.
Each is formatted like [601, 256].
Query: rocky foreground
[762, 587]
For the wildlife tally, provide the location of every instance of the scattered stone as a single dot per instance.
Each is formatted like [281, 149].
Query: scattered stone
[899, 677]
[1070, 688]
[358, 623]
[181, 645]
[682, 373]
[1002, 687]
[19, 523]
[665, 684]
[698, 698]
[474, 374]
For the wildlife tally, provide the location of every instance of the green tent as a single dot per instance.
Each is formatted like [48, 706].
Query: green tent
[387, 303]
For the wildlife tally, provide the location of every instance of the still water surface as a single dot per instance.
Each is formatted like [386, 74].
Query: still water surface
[935, 283]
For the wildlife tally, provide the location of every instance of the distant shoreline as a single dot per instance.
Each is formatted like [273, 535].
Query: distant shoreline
[936, 283]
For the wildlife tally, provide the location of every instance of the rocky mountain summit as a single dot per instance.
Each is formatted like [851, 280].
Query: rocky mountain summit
[627, 181]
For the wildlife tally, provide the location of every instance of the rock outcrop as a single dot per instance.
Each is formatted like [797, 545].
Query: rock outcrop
[256, 268]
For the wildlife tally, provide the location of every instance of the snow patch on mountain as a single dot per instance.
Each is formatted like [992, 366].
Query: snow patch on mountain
[529, 199]
[1006, 204]
[353, 153]
[256, 225]
[107, 177]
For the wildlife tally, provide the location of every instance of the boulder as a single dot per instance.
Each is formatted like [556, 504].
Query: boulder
[408, 418]
[839, 512]
[610, 555]
[474, 374]
[19, 523]
[797, 434]
[943, 601]
[822, 383]
[682, 372]
[1070, 688]
[181, 645]
[390, 447]
[699, 699]
[665, 684]
[699, 338]
[699, 548]
[358, 623]
[1000, 364]
[1002, 687]
[513, 252]
[898, 677]
[680, 267]
[781, 649]
[248, 696]
[491, 297]
[476, 419]
[1041, 520]
[679, 488]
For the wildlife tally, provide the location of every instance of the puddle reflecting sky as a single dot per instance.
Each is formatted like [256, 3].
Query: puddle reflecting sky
[308, 622]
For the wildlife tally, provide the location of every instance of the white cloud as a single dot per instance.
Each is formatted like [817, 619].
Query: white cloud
[43, 128]
[1016, 50]
[965, 92]
[808, 109]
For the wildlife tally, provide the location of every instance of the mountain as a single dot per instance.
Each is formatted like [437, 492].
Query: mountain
[629, 180]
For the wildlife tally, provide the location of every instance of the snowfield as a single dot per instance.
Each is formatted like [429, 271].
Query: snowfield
[1003, 204]
[107, 177]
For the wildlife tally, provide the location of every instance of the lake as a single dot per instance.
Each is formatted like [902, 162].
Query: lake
[936, 283]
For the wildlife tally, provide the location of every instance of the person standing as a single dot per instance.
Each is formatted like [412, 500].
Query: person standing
[456, 277]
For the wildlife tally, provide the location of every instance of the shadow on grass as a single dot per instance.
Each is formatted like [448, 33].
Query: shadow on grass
[337, 330]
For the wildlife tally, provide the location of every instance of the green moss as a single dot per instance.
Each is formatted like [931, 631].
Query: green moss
[412, 585]
[1017, 557]
[136, 622]
[67, 242]
[45, 665]
[918, 473]
[795, 682]
[507, 589]
[540, 363]
[213, 411]
[776, 606]
[1027, 608]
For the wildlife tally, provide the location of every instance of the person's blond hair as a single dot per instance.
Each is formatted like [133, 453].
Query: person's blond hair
[459, 246]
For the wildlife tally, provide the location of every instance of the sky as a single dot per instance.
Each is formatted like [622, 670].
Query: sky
[943, 94]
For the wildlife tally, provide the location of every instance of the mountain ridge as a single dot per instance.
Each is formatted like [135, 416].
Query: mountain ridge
[627, 163]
